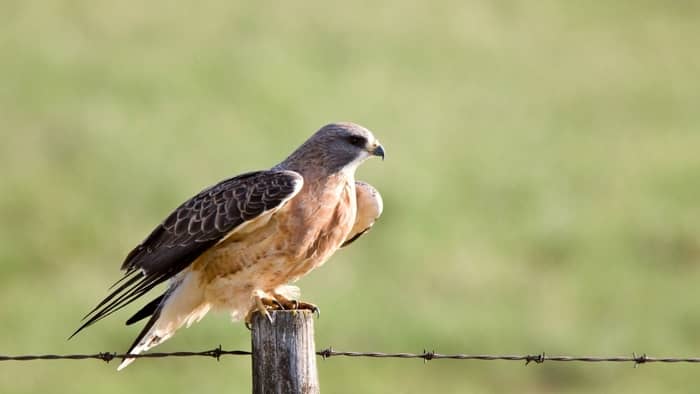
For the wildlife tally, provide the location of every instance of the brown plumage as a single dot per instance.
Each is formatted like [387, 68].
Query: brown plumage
[238, 245]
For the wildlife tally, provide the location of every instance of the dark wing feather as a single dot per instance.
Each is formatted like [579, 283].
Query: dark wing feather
[195, 226]
[148, 310]
[355, 237]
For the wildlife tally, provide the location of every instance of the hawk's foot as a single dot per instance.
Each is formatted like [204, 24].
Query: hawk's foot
[262, 305]
[292, 305]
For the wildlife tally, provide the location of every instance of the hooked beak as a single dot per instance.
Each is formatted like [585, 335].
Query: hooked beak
[378, 151]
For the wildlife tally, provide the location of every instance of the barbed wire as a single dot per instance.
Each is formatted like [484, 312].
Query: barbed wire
[327, 353]
[109, 356]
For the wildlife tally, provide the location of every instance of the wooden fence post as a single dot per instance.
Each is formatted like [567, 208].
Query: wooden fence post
[284, 354]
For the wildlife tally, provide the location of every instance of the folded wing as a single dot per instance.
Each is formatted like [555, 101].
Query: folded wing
[191, 229]
[369, 208]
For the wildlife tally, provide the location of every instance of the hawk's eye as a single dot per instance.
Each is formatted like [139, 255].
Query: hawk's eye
[357, 140]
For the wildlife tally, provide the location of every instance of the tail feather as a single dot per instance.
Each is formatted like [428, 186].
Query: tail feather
[146, 338]
[180, 305]
[148, 310]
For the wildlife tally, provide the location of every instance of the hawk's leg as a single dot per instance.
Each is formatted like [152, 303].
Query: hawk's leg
[288, 304]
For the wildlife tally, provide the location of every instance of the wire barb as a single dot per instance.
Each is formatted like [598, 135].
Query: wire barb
[427, 356]
[639, 360]
[326, 353]
[537, 359]
[216, 353]
[107, 357]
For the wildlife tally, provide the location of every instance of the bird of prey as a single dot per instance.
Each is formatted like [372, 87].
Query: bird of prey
[236, 246]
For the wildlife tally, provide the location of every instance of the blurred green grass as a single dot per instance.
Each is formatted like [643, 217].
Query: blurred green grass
[541, 184]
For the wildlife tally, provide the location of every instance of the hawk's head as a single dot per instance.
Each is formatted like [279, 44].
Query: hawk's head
[338, 147]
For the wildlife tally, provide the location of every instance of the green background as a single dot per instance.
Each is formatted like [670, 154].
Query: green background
[541, 185]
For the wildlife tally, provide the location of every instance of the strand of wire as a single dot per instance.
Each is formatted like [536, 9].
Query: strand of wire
[426, 356]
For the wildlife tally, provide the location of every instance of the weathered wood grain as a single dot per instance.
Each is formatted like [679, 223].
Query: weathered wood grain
[284, 354]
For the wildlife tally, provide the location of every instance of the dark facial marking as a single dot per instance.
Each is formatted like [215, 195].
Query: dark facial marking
[357, 141]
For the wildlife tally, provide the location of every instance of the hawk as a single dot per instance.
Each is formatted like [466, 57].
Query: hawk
[236, 246]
